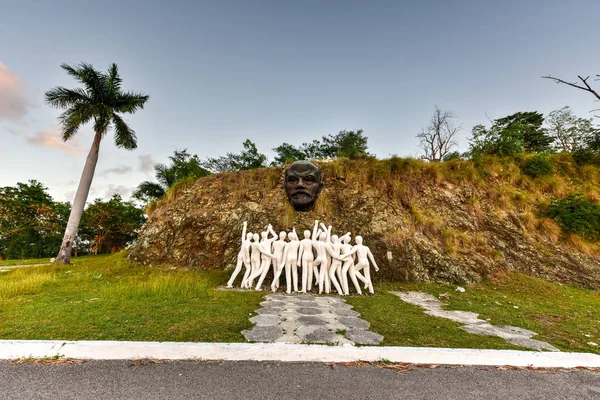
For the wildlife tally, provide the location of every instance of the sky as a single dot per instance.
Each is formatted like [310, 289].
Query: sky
[275, 71]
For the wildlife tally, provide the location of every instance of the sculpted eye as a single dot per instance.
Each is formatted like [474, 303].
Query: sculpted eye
[310, 179]
[292, 179]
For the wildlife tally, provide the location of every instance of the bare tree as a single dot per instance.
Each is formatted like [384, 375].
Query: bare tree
[569, 132]
[437, 139]
[585, 86]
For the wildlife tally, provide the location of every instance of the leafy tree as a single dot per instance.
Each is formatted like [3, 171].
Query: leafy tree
[248, 158]
[569, 132]
[490, 141]
[286, 153]
[437, 139]
[513, 134]
[182, 166]
[109, 226]
[30, 221]
[349, 144]
[102, 101]
[528, 127]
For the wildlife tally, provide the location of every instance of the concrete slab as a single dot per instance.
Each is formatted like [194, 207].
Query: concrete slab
[512, 334]
[113, 350]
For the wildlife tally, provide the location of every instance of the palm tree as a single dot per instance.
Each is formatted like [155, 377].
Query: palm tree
[183, 166]
[101, 100]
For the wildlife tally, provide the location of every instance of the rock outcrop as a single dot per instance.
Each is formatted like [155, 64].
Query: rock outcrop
[421, 224]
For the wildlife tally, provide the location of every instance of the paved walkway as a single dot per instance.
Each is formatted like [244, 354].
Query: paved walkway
[512, 334]
[309, 319]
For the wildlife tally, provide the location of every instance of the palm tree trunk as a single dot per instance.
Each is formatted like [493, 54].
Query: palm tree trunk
[64, 254]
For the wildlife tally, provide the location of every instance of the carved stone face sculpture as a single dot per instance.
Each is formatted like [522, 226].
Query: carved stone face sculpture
[303, 185]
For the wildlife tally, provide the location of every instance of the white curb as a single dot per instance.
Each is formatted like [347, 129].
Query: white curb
[113, 350]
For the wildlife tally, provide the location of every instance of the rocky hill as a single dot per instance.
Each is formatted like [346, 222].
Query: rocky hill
[455, 221]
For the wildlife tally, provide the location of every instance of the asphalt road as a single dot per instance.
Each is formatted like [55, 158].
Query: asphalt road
[274, 380]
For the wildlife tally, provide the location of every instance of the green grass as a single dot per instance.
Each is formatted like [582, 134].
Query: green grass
[30, 261]
[562, 315]
[107, 298]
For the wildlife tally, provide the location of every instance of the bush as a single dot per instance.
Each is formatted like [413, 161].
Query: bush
[537, 166]
[575, 214]
[585, 156]
[455, 155]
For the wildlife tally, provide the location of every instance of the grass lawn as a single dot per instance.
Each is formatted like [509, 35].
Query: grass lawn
[108, 298]
[564, 316]
[30, 261]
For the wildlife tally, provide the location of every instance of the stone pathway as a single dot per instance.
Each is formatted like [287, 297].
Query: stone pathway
[309, 319]
[512, 334]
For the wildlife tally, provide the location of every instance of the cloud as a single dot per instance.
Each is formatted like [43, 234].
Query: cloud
[119, 170]
[12, 131]
[50, 138]
[146, 163]
[120, 189]
[13, 104]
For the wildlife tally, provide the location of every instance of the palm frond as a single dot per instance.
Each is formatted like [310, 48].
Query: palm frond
[130, 102]
[74, 117]
[167, 176]
[114, 80]
[69, 131]
[94, 81]
[60, 97]
[148, 191]
[124, 136]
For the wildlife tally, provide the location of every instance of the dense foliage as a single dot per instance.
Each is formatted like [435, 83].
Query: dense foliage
[537, 166]
[109, 226]
[348, 144]
[576, 214]
[32, 223]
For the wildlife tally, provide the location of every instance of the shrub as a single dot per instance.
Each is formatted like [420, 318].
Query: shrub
[455, 155]
[575, 214]
[537, 166]
[585, 156]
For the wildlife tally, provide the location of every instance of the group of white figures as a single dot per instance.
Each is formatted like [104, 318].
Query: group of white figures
[333, 263]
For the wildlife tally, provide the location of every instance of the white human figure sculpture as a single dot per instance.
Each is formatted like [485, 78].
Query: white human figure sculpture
[348, 267]
[327, 259]
[363, 253]
[243, 256]
[335, 268]
[279, 251]
[255, 251]
[322, 261]
[291, 260]
[265, 258]
[306, 258]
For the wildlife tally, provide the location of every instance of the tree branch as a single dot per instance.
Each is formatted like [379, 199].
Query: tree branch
[587, 87]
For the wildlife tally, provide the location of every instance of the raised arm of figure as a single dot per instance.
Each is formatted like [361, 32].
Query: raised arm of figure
[327, 230]
[315, 235]
[370, 255]
[347, 235]
[244, 231]
[272, 232]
